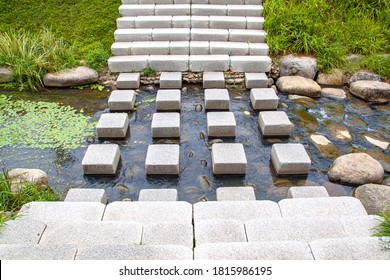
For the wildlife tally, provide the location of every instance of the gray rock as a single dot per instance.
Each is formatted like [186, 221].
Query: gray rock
[298, 66]
[364, 76]
[21, 232]
[356, 169]
[5, 75]
[71, 77]
[20, 176]
[375, 198]
[334, 93]
[371, 91]
[37, 252]
[298, 85]
[334, 78]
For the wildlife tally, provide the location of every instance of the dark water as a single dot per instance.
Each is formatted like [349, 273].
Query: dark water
[196, 181]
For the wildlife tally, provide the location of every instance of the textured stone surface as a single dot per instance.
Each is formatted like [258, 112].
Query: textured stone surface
[375, 198]
[256, 80]
[22, 232]
[244, 10]
[229, 158]
[227, 22]
[181, 21]
[101, 159]
[264, 99]
[371, 91]
[207, 34]
[209, 63]
[172, 63]
[298, 85]
[121, 48]
[37, 252]
[149, 48]
[219, 231]
[274, 123]
[206, 10]
[86, 195]
[167, 100]
[253, 64]
[174, 10]
[112, 125]
[5, 75]
[254, 22]
[290, 159]
[216, 99]
[128, 80]
[153, 22]
[166, 125]
[307, 191]
[137, 10]
[361, 226]
[163, 233]
[334, 78]
[131, 35]
[334, 93]
[200, 22]
[128, 63]
[235, 194]
[221, 124]
[122, 100]
[230, 48]
[298, 66]
[213, 80]
[18, 177]
[179, 48]
[199, 48]
[125, 22]
[364, 76]
[171, 34]
[163, 159]
[71, 77]
[158, 195]
[258, 49]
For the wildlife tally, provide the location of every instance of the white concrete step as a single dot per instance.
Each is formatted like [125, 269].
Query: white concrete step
[22, 232]
[236, 2]
[37, 252]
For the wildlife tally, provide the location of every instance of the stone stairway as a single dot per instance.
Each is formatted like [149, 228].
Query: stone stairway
[308, 226]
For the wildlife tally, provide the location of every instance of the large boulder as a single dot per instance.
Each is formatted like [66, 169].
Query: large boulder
[5, 75]
[71, 77]
[334, 78]
[298, 85]
[356, 169]
[371, 91]
[303, 66]
[364, 76]
[20, 176]
[375, 198]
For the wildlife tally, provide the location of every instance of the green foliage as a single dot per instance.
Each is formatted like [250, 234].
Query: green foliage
[41, 125]
[384, 227]
[148, 72]
[96, 55]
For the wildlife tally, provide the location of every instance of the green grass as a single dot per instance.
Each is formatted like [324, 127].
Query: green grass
[384, 227]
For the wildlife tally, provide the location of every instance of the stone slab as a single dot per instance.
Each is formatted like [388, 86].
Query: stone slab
[122, 100]
[216, 99]
[361, 226]
[236, 194]
[247, 35]
[282, 250]
[86, 195]
[307, 192]
[127, 63]
[169, 63]
[221, 124]
[264, 99]
[256, 80]
[129, 10]
[179, 47]
[207, 10]
[199, 48]
[37, 252]
[163, 159]
[125, 22]
[258, 49]
[253, 64]
[161, 233]
[121, 48]
[158, 195]
[134, 34]
[22, 232]
[224, 22]
[230, 48]
[101, 159]
[256, 23]
[112, 125]
[173, 10]
[209, 63]
[153, 22]
[166, 125]
[321, 207]
[171, 34]
[170, 80]
[363, 248]
[228, 158]
[290, 159]
[237, 210]
[245, 10]
[168, 100]
[274, 123]
[200, 22]
[213, 80]
[219, 231]
[208, 34]
[181, 22]
[150, 48]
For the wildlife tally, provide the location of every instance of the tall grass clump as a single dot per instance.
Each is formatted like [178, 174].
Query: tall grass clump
[383, 230]
[31, 55]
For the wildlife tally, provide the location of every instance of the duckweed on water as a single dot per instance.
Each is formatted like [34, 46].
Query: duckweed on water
[41, 125]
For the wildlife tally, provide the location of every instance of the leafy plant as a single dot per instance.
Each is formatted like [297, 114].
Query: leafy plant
[383, 230]
[148, 72]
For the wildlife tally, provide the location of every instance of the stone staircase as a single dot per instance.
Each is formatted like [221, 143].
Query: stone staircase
[157, 227]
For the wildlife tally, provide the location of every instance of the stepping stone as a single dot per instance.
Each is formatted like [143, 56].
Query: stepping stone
[228, 158]
[361, 226]
[221, 124]
[216, 99]
[264, 99]
[162, 159]
[307, 191]
[213, 80]
[170, 80]
[158, 195]
[290, 159]
[128, 80]
[22, 232]
[86, 195]
[219, 231]
[37, 252]
[256, 80]
[166, 125]
[274, 123]
[101, 159]
[162, 233]
[235, 194]
[112, 125]
[122, 100]
[167, 100]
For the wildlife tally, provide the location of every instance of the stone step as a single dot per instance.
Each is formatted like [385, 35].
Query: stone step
[22, 232]
[170, 80]
[112, 125]
[163, 159]
[274, 123]
[256, 80]
[101, 159]
[213, 80]
[168, 234]
[264, 99]
[290, 159]
[86, 195]
[128, 81]
[221, 124]
[228, 158]
[122, 100]
[219, 231]
[216, 99]
[307, 191]
[166, 125]
[235, 2]
[186, 21]
[158, 195]
[236, 194]
[361, 226]
[37, 252]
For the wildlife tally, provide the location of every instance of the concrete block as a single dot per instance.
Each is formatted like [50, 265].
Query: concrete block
[130, 35]
[49, 212]
[237, 210]
[207, 34]
[225, 2]
[166, 2]
[158, 195]
[200, 22]
[219, 231]
[332, 207]
[125, 22]
[264, 99]
[361, 226]
[281, 250]
[307, 191]
[121, 48]
[216, 99]
[101, 159]
[170, 63]
[153, 22]
[168, 234]
[253, 64]
[236, 194]
[230, 48]
[168, 100]
[209, 63]
[256, 80]
[120, 252]
[37, 252]
[148, 212]
[207, 10]
[179, 48]
[224, 22]
[228, 158]
[171, 34]
[297, 229]
[166, 125]
[199, 48]
[245, 10]
[134, 2]
[128, 63]
[363, 248]
[255, 23]
[221, 124]
[150, 48]
[86, 195]
[163, 159]
[200, 1]
[258, 49]
[121, 100]
[274, 123]
[128, 80]
[213, 80]
[247, 35]
[173, 10]
[22, 232]
[112, 125]
[253, 2]
[170, 80]
[290, 159]
[137, 10]
[181, 22]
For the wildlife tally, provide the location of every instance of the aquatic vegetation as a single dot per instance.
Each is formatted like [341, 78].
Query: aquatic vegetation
[41, 125]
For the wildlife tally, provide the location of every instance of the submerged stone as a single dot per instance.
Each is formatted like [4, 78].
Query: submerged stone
[355, 121]
[325, 146]
[304, 101]
[307, 121]
[334, 111]
[359, 107]
[377, 140]
[338, 131]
